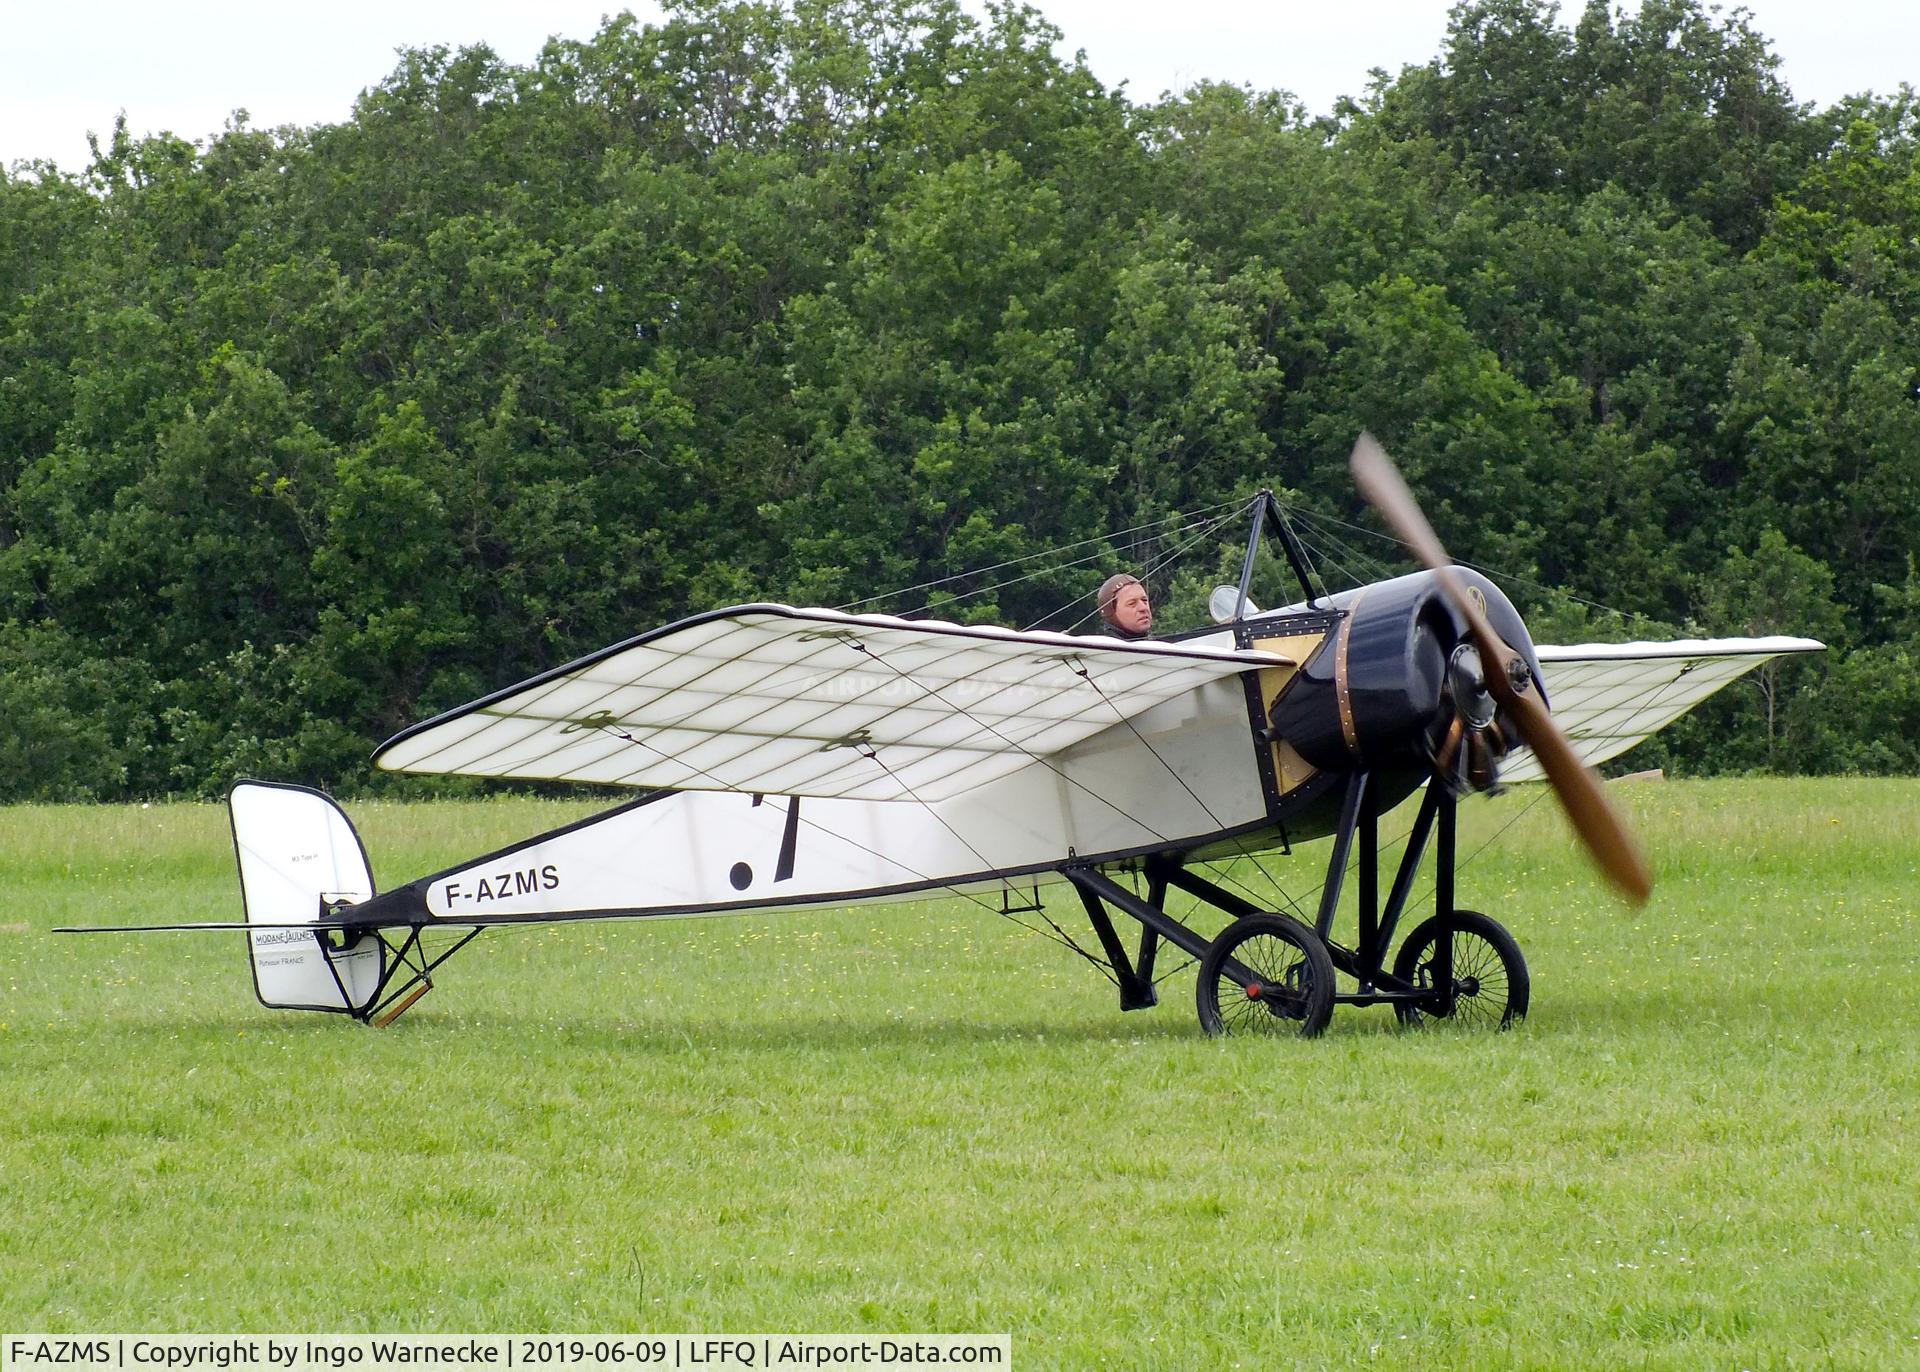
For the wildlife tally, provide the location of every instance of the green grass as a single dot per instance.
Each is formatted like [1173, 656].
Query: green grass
[1699, 1152]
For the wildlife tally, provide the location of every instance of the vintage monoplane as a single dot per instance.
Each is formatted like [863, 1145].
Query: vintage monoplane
[795, 758]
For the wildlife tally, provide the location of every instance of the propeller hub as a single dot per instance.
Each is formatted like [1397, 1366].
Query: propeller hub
[1467, 680]
[1466, 756]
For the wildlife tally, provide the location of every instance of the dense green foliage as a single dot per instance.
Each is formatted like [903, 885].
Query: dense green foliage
[310, 432]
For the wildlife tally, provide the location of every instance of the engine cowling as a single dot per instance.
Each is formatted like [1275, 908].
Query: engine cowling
[1398, 685]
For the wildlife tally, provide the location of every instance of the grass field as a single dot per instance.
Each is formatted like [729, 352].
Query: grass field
[1699, 1152]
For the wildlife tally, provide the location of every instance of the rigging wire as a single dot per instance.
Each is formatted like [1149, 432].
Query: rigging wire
[1166, 559]
[1357, 566]
[1326, 547]
[1098, 555]
[1057, 771]
[1323, 519]
[1194, 535]
[1106, 538]
[1310, 573]
[983, 727]
[1217, 822]
[872, 754]
[1153, 569]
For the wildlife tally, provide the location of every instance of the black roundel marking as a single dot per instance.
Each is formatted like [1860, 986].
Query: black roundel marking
[741, 876]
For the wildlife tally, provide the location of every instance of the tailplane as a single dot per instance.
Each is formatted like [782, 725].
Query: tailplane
[300, 860]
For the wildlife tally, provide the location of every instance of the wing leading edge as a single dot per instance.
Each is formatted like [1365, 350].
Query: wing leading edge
[806, 702]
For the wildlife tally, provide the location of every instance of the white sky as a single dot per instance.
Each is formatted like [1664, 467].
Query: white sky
[182, 65]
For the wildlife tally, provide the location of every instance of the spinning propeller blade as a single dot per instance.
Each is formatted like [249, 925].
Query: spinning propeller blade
[1509, 681]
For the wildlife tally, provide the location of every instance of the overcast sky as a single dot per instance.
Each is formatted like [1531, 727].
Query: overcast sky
[183, 65]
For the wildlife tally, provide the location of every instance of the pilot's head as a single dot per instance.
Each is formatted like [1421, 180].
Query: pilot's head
[1124, 605]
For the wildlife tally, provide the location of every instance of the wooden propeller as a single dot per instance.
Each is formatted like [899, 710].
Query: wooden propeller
[1510, 683]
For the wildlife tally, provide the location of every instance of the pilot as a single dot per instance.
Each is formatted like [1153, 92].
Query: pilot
[1125, 607]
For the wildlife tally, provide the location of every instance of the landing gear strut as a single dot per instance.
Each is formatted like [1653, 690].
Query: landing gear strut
[1266, 973]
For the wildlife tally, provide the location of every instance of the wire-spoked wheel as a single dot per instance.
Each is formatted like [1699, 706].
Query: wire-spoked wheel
[1265, 974]
[1490, 985]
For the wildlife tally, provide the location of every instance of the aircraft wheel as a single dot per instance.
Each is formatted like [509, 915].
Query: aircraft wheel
[1490, 985]
[1265, 974]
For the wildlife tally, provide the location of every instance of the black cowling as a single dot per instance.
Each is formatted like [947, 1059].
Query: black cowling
[1410, 679]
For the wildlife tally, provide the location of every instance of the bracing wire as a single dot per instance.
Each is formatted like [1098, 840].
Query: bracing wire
[1058, 935]
[1170, 770]
[1355, 566]
[1153, 569]
[984, 727]
[1103, 539]
[1323, 521]
[1071, 780]
[1062, 937]
[1194, 536]
[1098, 555]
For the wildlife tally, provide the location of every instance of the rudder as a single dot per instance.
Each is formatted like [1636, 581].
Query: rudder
[299, 857]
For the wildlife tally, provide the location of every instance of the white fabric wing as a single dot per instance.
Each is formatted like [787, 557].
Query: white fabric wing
[1609, 696]
[800, 702]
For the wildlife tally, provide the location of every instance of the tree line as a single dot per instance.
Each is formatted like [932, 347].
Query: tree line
[308, 433]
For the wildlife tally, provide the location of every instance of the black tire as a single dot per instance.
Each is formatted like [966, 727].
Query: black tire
[1490, 984]
[1289, 989]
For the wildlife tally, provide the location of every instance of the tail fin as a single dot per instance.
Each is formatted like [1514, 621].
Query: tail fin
[299, 856]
